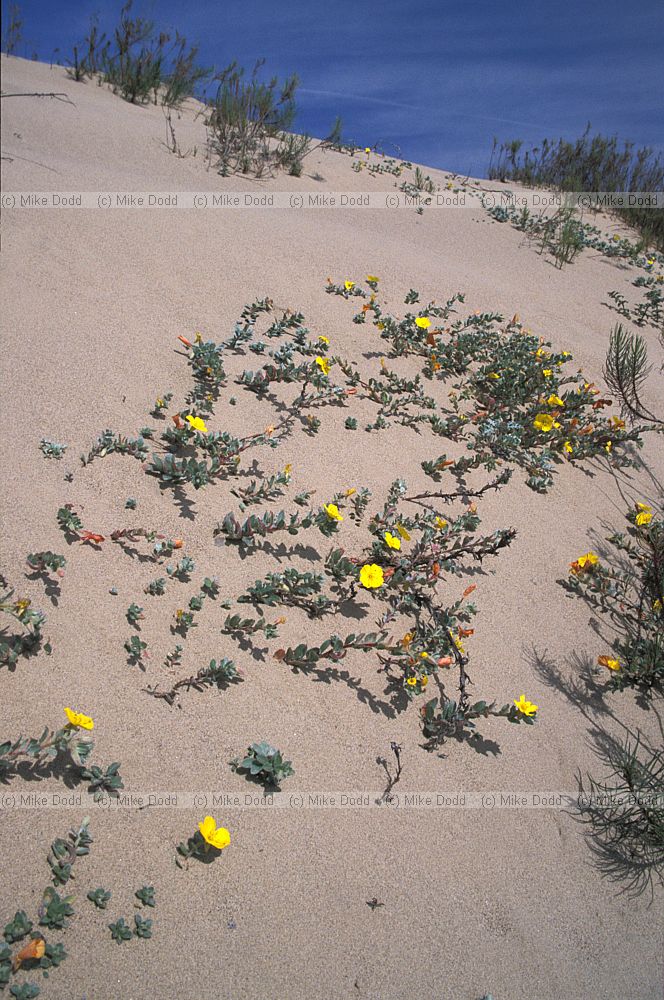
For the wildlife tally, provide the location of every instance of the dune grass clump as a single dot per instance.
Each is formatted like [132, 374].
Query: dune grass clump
[591, 163]
[250, 125]
[626, 370]
[624, 813]
[139, 63]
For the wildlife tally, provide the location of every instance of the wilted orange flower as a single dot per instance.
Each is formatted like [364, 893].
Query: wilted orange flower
[177, 543]
[470, 589]
[90, 536]
[465, 632]
[32, 951]
[187, 343]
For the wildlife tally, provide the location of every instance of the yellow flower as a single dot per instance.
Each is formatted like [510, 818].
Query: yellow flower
[332, 512]
[440, 523]
[568, 447]
[367, 149]
[215, 836]
[584, 562]
[402, 531]
[493, 375]
[424, 655]
[424, 680]
[371, 576]
[608, 446]
[608, 661]
[554, 400]
[459, 645]
[392, 541]
[547, 372]
[617, 422]
[79, 720]
[541, 353]
[287, 469]
[198, 339]
[197, 423]
[543, 422]
[423, 322]
[324, 365]
[22, 606]
[324, 340]
[350, 491]
[412, 681]
[372, 278]
[349, 285]
[657, 605]
[644, 517]
[616, 238]
[525, 707]
[557, 424]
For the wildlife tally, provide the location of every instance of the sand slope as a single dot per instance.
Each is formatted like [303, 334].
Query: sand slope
[502, 901]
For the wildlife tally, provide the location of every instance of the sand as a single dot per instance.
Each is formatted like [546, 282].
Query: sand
[501, 901]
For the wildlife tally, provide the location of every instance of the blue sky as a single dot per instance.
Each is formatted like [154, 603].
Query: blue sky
[437, 80]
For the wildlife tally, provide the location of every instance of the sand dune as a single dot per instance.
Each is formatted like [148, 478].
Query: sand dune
[502, 901]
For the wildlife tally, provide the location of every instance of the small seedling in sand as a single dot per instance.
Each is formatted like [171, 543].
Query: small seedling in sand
[52, 449]
[156, 588]
[145, 895]
[264, 763]
[134, 614]
[120, 932]
[99, 897]
[143, 928]
[137, 650]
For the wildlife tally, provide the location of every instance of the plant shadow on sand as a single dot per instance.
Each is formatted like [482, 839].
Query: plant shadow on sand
[626, 843]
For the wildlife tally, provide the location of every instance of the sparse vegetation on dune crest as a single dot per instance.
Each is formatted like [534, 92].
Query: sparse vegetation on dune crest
[595, 163]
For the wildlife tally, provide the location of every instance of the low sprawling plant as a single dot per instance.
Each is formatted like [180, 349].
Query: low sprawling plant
[29, 639]
[37, 755]
[627, 590]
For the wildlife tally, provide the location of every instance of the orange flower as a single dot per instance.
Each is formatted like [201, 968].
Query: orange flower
[465, 632]
[187, 343]
[177, 543]
[470, 589]
[445, 661]
[435, 569]
[90, 536]
[32, 951]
